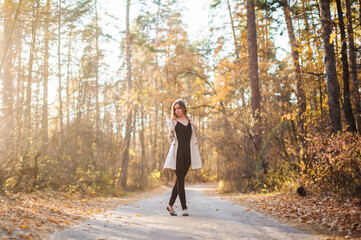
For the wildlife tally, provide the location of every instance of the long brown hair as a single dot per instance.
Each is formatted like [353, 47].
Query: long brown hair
[182, 106]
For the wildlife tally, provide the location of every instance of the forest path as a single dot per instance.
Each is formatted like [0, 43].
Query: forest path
[210, 218]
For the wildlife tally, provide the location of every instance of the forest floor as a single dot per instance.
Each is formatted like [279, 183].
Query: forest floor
[325, 215]
[35, 215]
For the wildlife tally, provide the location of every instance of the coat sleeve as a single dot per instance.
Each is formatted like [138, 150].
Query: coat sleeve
[195, 132]
[170, 136]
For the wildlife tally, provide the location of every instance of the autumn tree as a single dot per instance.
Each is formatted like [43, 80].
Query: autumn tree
[353, 70]
[333, 89]
[253, 73]
[128, 131]
[301, 97]
[347, 107]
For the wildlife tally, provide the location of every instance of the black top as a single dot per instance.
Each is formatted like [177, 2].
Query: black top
[184, 134]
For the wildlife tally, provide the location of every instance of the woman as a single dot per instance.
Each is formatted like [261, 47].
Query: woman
[183, 152]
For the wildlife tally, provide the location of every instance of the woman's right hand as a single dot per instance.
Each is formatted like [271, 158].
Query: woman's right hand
[172, 126]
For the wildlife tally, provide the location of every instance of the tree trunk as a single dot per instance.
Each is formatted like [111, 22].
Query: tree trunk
[333, 89]
[155, 136]
[19, 83]
[142, 145]
[31, 57]
[46, 78]
[68, 81]
[309, 54]
[59, 79]
[155, 146]
[353, 66]
[8, 35]
[347, 108]
[236, 46]
[359, 9]
[234, 33]
[98, 140]
[128, 131]
[97, 108]
[8, 73]
[125, 155]
[301, 97]
[253, 74]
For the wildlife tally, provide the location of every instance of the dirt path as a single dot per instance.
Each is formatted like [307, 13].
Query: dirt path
[210, 218]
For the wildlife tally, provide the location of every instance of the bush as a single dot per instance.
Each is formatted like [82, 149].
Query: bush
[334, 163]
[225, 186]
[280, 178]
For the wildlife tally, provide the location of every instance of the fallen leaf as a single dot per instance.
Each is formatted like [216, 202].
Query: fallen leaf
[54, 221]
[27, 237]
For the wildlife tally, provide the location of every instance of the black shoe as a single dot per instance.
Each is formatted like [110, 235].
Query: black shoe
[173, 214]
[185, 214]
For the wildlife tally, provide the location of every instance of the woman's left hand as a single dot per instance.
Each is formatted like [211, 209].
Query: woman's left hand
[192, 122]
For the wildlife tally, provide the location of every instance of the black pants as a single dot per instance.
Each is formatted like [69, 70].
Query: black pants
[182, 166]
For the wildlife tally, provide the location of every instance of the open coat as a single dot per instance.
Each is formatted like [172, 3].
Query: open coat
[170, 162]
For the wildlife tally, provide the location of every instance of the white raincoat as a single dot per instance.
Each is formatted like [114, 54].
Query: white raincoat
[170, 162]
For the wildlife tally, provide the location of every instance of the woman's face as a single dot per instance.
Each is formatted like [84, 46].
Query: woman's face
[178, 111]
